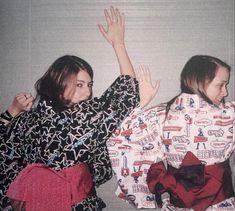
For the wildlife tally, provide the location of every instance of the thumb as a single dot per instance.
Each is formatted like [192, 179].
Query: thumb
[156, 87]
[103, 32]
[29, 106]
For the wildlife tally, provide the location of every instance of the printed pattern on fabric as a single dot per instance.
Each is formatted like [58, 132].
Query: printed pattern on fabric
[132, 149]
[146, 137]
[63, 139]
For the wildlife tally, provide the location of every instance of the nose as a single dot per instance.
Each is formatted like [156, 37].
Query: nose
[88, 91]
[225, 91]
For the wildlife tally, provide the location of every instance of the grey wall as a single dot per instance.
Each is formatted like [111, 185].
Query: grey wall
[162, 34]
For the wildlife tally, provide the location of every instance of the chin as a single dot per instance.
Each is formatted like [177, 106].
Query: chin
[217, 102]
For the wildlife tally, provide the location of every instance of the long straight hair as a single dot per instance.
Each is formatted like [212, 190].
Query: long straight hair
[199, 71]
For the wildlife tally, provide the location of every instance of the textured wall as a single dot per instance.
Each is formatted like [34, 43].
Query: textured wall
[163, 34]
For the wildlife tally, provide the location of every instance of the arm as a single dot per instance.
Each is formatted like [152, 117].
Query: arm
[22, 102]
[10, 160]
[146, 88]
[115, 36]
[123, 95]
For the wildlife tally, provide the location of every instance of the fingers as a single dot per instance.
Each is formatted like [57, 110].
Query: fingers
[103, 32]
[24, 97]
[29, 106]
[119, 18]
[29, 100]
[107, 17]
[23, 101]
[123, 21]
[156, 87]
[114, 31]
[118, 15]
[143, 73]
[114, 16]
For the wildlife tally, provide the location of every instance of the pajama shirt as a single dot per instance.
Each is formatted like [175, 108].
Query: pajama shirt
[63, 139]
[147, 137]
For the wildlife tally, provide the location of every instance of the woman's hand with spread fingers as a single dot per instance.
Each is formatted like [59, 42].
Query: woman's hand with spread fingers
[115, 27]
[147, 89]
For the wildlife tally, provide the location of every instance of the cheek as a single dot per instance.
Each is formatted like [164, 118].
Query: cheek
[69, 93]
[210, 91]
[79, 95]
[76, 96]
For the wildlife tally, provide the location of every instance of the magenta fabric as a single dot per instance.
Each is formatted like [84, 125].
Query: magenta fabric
[44, 189]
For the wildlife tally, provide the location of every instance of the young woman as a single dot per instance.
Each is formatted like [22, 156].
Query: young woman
[181, 148]
[64, 136]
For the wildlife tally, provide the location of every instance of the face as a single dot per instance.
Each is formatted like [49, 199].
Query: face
[217, 88]
[81, 90]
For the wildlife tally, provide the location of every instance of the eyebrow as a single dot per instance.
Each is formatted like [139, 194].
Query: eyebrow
[224, 81]
[84, 81]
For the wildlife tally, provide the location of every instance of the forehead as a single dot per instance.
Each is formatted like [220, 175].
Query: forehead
[222, 74]
[83, 76]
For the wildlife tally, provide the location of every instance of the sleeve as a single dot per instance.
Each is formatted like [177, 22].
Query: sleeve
[5, 119]
[102, 170]
[233, 106]
[11, 159]
[133, 147]
[116, 103]
[3, 128]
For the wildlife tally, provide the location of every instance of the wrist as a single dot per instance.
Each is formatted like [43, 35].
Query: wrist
[118, 45]
[13, 111]
[6, 117]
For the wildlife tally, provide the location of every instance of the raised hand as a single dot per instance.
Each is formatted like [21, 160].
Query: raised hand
[114, 33]
[22, 102]
[146, 88]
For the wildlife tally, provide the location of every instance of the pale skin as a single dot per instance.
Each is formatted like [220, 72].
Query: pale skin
[79, 90]
[147, 88]
[216, 90]
[114, 34]
[22, 102]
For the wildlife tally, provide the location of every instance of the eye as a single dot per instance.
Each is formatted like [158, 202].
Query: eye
[79, 85]
[220, 85]
[90, 84]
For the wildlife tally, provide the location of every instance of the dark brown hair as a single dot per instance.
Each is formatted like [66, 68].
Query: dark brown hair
[52, 84]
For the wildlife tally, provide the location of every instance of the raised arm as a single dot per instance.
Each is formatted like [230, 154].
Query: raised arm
[114, 34]
[22, 102]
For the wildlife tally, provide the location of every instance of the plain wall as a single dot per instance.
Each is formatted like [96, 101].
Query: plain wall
[161, 34]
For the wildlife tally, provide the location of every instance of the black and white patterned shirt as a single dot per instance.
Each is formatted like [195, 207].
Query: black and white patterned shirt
[63, 139]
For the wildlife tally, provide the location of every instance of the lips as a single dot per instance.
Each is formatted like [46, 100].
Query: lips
[219, 100]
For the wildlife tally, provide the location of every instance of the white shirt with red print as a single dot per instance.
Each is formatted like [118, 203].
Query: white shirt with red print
[146, 137]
